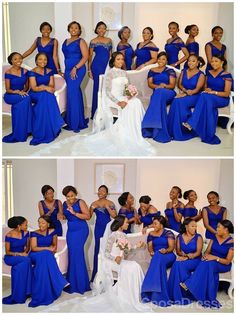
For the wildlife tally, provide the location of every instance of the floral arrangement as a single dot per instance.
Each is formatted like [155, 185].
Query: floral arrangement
[130, 90]
[123, 245]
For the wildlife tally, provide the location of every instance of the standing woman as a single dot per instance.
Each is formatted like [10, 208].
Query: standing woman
[75, 51]
[190, 211]
[104, 210]
[162, 80]
[124, 47]
[191, 45]
[17, 246]
[102, 47]
[174, 45]
[147, 211]
[51, 207]
[16, 82]
[126, 200]
[46, 45]
[47, 120]
[213, 214]
[76, 212]
[146, 51]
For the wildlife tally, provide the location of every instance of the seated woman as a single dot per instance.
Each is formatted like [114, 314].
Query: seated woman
[146, 212]
[216, 95]
[16, 82]
[190, 211]
[126, 200]
[162, 80]
[17, 246]
[190, 84]
[189, 250]
[48, 282]
[124, 47]
[161, 243]
[203, 283]
[47, 121]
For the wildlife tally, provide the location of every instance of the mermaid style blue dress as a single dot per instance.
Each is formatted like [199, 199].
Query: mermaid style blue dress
[48, 282]
[193, 48]
[204, 282]
[21, 271]
[214, 52]
[75, 105]
[147, 219]
[98, 66]
[189, 212]
[172, 49]
[213, 220]
[77, 234]
[48, 50]
[172, 223]
[53, 216]
[129, 215]
[154, 288]
[154, 124]
[182, 270]
[143, 54]
[204, 118]
[129, 54]
[180, 109]
[21, 109]
[47, 120]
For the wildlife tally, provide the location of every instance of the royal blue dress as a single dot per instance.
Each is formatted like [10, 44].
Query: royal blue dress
[215, 52]
[154, 124]
[147, 219]
[182, 270]
[129, 54]
[48, 281]
[21, 270]
[77, 234]
[204, 118]
[172, 49]
[53, 216]
[48, 50]
[75, 105]
[154, 288]
[47, 120]
[129, 214]
[193, 48]
[204, 282]
[181, 109]
[213, 220]
[21, 109]
[143, 54]
[189, 212]
[172, 223]
[102, 55]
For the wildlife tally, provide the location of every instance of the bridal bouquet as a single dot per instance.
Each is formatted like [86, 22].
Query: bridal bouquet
[130, 90]
[123, 245]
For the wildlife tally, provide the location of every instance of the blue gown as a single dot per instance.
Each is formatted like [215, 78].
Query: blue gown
[193, 48]
[21, 271]
[172, 49]
[75, 105]
[98, 66]
[47, 120]
[154, 288]
[215, 52]
[173, 224]
[143, 54]
[147, 219]
[204, 282]
[53, 216]
[180, 109]
[48, 50]
[129, 215]
[48, 281]
[21, 109]
[204, 118]
[77, 234]
[213, 220]
[189, 212]
[154, 124]
[181, 271]
[129, 54]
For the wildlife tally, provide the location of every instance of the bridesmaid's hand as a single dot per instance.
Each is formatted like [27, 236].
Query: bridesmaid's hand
[181, 258]
[71, 210]
[122, 104]
[59, 216]
[23, 93]
[189, 92]
[207, 90]
[163, 251]
[49, 89]
[73, 74]
[180, 95]
[61, 74]
[90, 74]
[209, 257]
[118, 260]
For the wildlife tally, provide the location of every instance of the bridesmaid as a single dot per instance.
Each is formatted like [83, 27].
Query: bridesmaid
[216, 95]
[215, 47]
[213, 214]
[47, 120]
[104, 210]
[126, 200]
[16, 82]
[51, 207]
[162, 80]
[190, 84]
[75, 51]
[189, 250]
[47, 45]
[161, 243]
[174, 209]
[17, 247]
[191, 45]
[124, 47]
[76, 212]
[217, 259]
[146, 51]
[147, 211]
[190, 211]
[174, 45]
[102, 47]
[48, 281]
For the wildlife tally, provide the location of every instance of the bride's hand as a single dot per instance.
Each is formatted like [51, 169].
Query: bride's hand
[122, 104]
[118, 259]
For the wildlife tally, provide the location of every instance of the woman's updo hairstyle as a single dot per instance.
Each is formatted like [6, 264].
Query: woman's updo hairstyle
[145, 199]
[179, 191]
[122, 30]
[45, 189]
[13, 222]
[188, 28]
[105, 187]
[215, 28]
[48, 219]
[38, 55]
[123, 198]
[201, 61]
[214, 193]
[161, 219]
[175, 23]
[228, 225]
[67, 189]
[45, 24]
[74, 22]
[162, 53]
[222, 58]
[186, 193]
[182, 228]
[118, 222]
[10, 57]
[150, 30]
[113, 58]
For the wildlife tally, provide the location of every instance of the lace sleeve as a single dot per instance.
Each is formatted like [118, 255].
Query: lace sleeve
[108, 87]
[109, 245]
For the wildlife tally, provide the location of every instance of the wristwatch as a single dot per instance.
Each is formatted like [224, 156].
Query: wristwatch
[218, 259]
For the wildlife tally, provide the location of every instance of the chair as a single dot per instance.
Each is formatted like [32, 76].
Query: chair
[62, 254]
[228, 277]
[228, 112]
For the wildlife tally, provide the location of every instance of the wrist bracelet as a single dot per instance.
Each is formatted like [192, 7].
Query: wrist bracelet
[216, 93]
